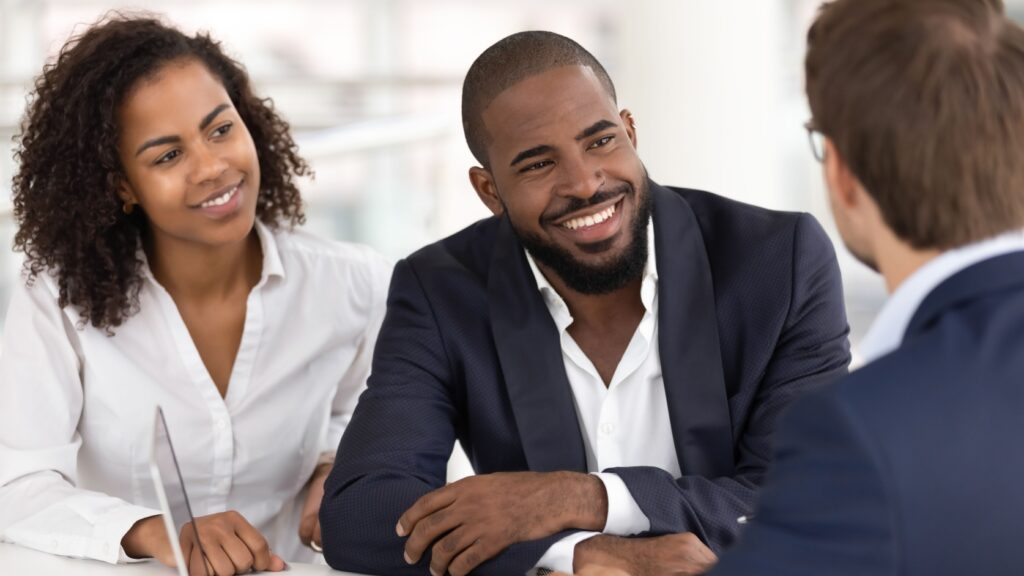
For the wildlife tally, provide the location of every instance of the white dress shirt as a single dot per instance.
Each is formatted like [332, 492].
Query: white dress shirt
[625, 423]
[887, 331]
[77, 404]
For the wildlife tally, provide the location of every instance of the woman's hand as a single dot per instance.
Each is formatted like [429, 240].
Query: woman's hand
[231, 544]
[309, 526]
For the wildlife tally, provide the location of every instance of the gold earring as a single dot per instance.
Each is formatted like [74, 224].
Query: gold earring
[127, 208]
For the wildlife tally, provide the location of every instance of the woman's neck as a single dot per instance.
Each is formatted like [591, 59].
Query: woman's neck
[201, 272]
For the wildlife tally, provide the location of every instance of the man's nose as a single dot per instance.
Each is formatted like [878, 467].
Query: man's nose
[579, 178]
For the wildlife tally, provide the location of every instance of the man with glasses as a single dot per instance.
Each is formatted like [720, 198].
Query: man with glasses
[598, 322]
[912, 465]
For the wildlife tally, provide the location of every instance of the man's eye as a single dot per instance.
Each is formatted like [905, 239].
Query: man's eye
[602, 141]
[536, 166]
[168, 157]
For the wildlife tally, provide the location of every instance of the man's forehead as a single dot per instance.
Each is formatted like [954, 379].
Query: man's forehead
[568, 98]
[575, 82]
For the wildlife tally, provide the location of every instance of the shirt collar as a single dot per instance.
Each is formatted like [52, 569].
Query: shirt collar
[887, 331]
[272, 265]
[556, 304]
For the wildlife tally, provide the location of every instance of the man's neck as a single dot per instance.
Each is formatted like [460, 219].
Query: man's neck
[898, 261]
[599, 310]
[204, 273]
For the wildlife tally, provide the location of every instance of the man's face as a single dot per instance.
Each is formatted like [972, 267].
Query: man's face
[848, 215]
[563, 165]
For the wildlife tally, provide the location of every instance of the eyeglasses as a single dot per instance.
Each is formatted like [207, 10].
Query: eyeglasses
[817, 140]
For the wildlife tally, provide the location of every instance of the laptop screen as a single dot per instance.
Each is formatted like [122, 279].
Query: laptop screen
[170, 487]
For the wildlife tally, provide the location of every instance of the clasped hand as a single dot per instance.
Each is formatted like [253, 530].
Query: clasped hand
[470, 521]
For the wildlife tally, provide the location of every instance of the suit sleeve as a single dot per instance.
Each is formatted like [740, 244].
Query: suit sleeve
[397, 445]
[824, 508]
[811, 350]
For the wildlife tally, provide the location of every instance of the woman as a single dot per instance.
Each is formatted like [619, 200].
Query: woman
[155, 200]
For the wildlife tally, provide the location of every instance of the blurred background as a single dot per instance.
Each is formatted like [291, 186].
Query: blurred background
[372, 91]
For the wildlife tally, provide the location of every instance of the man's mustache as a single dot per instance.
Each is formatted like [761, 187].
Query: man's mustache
[575, 204]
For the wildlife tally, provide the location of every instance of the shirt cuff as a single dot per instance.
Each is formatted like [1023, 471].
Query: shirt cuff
[114, 527]
[625, 518]
[558, 558]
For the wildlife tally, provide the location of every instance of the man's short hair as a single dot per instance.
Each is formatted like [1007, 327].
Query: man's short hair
[506, 63]
[924, 99]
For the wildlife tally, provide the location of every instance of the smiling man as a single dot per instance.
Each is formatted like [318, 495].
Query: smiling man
[612, 354]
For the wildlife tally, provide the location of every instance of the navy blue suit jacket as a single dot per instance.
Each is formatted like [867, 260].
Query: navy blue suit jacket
[912, 465]
[750, 315]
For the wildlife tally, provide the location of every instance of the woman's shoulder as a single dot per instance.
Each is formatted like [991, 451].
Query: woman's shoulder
[317, 255]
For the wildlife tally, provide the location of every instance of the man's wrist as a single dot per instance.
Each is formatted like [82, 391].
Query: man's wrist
[586, 502]
[602, 550]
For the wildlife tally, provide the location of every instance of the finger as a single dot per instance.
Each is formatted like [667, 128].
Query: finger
[197, 565]
[448, 547]
[239, 554]
[277, 564]
[317, 537]
[254, 541]
[185, 541]
[469, 559]
[427, 531]
[426, 505]
[219, 560]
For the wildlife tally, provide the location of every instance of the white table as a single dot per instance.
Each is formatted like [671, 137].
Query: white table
[18, 561]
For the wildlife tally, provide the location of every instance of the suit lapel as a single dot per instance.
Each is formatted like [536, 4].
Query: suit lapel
[530, 353]
[992, 275]
[691, 361]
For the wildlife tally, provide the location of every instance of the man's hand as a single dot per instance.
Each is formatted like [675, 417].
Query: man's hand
[595, 570]
[474, 519]
[309, 526]
[675, 554]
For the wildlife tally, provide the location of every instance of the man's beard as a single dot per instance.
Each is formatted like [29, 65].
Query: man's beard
[605, 277]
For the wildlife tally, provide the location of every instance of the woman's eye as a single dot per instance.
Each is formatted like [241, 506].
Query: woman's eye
[222, 130]
[168, 157]
[602, 141]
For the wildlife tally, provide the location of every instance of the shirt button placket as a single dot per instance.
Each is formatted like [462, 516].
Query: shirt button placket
[223, 451]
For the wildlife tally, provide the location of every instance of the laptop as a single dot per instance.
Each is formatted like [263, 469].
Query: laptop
[167, 479]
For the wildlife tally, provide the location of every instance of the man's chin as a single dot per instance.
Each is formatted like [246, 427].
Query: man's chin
[602, 248]
[862, 256]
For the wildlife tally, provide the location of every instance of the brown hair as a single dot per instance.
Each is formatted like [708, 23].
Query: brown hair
[508, 62]
[65, 198]
[924, 100]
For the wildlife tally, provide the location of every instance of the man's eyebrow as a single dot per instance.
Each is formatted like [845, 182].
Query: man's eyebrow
[213, 114]
[535, 151]
[595, 128]
[207, 120]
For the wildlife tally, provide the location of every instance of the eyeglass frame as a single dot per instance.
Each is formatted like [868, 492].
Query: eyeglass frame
[817, 140]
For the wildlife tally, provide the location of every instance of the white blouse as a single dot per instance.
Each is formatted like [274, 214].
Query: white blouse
[76, 404]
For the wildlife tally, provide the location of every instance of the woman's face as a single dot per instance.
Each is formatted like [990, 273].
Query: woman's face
[190, 162]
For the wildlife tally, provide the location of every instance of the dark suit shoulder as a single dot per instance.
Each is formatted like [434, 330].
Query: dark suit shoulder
[467, 252]
[737, 228]
[787, 254]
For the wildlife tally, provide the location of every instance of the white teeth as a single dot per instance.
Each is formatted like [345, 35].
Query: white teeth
[587, 221]
[220, 200]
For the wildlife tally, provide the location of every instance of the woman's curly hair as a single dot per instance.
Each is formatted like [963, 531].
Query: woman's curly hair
[70, 219]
